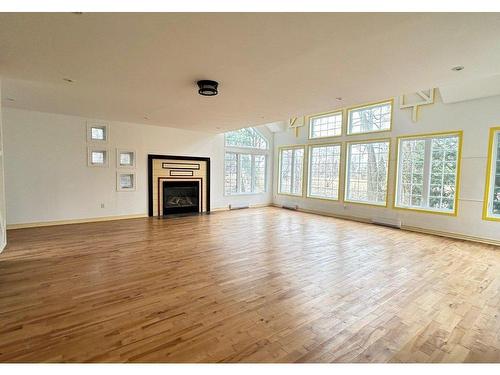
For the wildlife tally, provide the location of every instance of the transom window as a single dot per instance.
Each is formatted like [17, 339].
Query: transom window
[248, 138]
[326, 125]
[324, 170]
[428, 169]
[367, 170]
[245, 162]
[370, 118]
[291, 170]
[492, 189]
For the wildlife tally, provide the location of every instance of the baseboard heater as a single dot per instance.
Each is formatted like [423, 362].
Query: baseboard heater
[238, 207]
[392, 223]
[293, 207]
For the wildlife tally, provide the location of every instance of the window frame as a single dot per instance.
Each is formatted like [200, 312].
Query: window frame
[309, 160]
[245, 150]
[388, 169]
[304, 159]
[92, 149]
[100, 125]
[458, 133]
[252, 153]
[325, 114]
[490, 171]
[119, 187]
[367, 105]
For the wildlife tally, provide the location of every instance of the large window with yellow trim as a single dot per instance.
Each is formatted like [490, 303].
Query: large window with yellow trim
[428, 171]
[324, 171]
[325, 125]
[492, 189]
[291, 170]
[370, 118]
[367, 169]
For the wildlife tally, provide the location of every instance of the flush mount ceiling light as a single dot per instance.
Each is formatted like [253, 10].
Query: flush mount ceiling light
[69, 80]
[207, 87]
[458, 68]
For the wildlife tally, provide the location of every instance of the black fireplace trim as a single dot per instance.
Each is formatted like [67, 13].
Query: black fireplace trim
[151, 157]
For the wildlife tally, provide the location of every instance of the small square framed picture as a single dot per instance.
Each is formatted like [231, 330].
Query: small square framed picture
[97, 132]
[97, 157]
[125, 181]
[125, 158]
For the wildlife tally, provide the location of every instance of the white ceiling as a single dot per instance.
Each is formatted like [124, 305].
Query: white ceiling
[270, 65]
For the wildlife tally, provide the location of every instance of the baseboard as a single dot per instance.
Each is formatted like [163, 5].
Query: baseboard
[457, 236]
[73, 221]
[329, 214]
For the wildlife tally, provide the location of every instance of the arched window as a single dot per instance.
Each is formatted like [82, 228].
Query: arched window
[247, 138]
[245, 162]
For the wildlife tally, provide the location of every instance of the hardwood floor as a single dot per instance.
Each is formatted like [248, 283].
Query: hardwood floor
[260, 285]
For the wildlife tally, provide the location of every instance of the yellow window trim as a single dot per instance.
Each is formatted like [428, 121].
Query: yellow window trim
[325, 114]
[304, 163]
[489, 167]
[341, 161]
[367, 105]
[457, 182]
[388, 170]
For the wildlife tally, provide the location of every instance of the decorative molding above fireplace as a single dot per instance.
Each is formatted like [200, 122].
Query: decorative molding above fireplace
[166, 191]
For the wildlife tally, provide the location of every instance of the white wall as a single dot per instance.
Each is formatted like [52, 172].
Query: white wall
[3, 232]
[474, 117]
[47, 178]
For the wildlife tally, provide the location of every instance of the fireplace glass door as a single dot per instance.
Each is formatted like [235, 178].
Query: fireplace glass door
[181, 197]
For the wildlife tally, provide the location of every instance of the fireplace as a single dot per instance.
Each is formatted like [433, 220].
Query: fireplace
[181, 197]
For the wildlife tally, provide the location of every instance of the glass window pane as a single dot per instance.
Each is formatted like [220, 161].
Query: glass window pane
[248, 137]
[230, 173]
[260, 173]
[245, 173]
[324, 168]
[286, 171]
[495, 180]
[97, 133]
[298, 168]
[371, 118]
[326, 126]
[367, 172]
[97, 157]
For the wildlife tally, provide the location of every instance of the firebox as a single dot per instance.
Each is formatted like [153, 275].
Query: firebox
[181, 197]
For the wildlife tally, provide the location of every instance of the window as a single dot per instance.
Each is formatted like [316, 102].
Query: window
[370, 118]
[245, 162]
[324, 169]
[244, 173]
[247, 138]
[97, 132]
[325, 125]
[125, 181]
[428, 168]
[492, 189]
[125, 159]
[291, 170]
[367, 170]
[97, 157]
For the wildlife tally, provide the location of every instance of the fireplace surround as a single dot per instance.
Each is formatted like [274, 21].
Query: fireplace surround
[178, 184]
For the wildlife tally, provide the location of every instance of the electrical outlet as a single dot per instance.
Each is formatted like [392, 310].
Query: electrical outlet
[102, 205]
